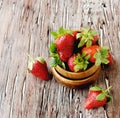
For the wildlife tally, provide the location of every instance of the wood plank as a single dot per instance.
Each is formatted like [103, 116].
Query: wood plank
[25, 28]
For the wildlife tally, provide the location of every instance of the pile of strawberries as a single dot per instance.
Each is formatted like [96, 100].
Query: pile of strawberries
[77, 50]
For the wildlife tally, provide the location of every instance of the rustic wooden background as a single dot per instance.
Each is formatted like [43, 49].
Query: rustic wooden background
[25, 27]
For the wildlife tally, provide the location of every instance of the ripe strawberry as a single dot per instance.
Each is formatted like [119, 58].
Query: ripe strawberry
[77, 63]
[103, 56]
[64, 41]
[111, 62]
[97, 97]
[98, 54]
[38, 68]
[87, 37]
[95, 39]
[92, 50]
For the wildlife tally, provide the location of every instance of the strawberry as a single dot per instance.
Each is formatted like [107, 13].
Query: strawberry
[92, 50]
[95, 39]
[38, 68]
[98, 54]
[87, 37]
[111, 62]
[64, 41]
[103, 56]
[97, 97]
[55, 58]
[77, 63]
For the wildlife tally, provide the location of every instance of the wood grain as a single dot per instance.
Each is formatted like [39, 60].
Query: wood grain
[25, 27]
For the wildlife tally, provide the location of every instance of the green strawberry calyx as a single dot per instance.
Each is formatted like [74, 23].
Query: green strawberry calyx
[103, 93]
[30, 65]
[40, 59]
[61, 32]
[32, 60]
[86, 36]
[55, 59]
[81, 62]
[102, 56]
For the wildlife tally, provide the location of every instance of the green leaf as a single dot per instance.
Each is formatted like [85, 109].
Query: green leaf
[79, 35]
[78, 67]
[87, 35]
[30, 66]
[40, 59]
[97, 62]
[105, 48]
[55, 35]
[61, 31]
[103, 93]
[105, 61]
[102, 56]
[53, 62]
[93, 32]
[62, 65]
[87, 57]
[82, 42]
[101, 97]
[69, 32]
[81, 62]
[89, 43]
[53, 48]
[85, 29]
[85, 66]
[96, 88]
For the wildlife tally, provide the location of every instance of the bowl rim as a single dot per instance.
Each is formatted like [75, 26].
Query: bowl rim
[75, 83]
[77, 75]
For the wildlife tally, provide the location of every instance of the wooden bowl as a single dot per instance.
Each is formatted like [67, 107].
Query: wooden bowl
[78, 75]
[76, 83]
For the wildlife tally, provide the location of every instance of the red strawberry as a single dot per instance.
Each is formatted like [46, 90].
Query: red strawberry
[87, 37]
[97, 97]
[92, 50]
[110, 59]
[65, 43]
[71, 63]
[95, 39]
[98, 54]
[38, 68]
[77, 63]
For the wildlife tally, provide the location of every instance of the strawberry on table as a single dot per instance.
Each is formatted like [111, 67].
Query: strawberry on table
[97, 97]
[87, 37]
[64, 41]
[38, 68]
[78, 62]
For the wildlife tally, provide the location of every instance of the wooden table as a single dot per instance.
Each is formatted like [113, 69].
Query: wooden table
[25, 27]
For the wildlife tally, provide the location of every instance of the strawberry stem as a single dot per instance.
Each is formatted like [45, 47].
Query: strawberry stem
[107, 90]
[31, 58]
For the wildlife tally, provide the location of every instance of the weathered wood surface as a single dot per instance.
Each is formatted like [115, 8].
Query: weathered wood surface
[25, 27]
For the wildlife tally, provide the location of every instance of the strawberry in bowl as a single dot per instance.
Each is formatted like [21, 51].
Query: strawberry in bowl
[64, 41]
